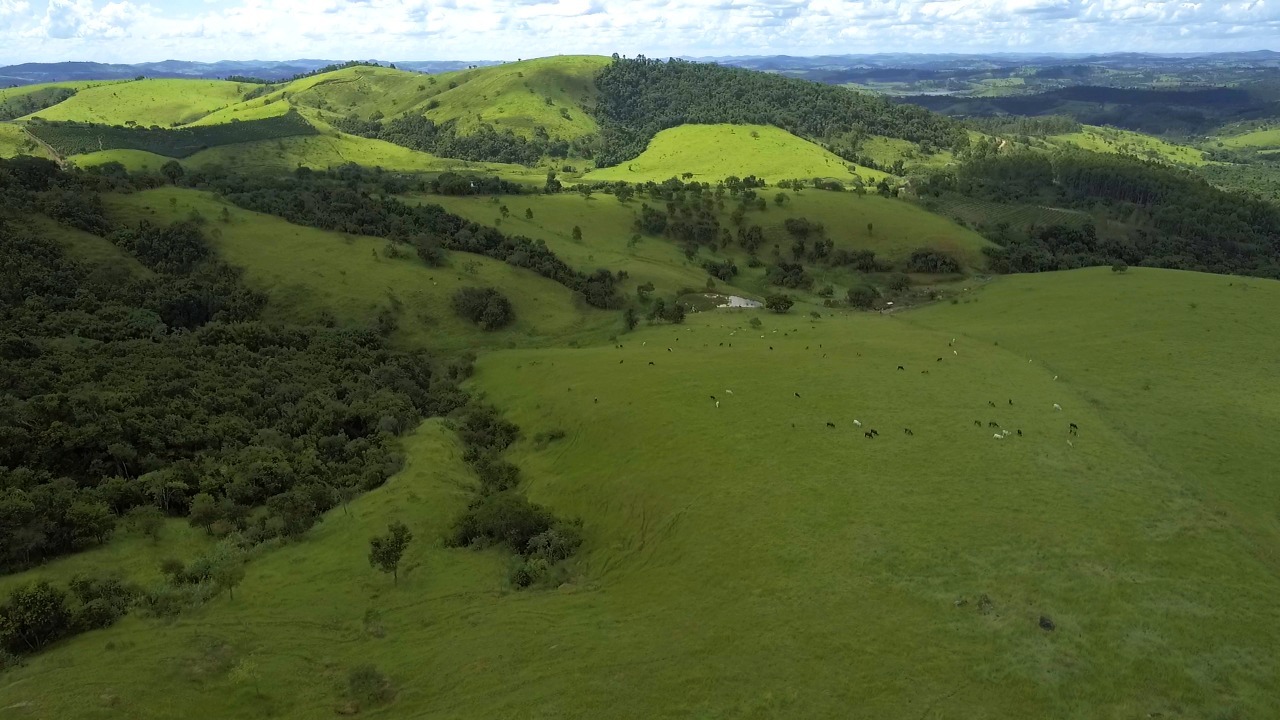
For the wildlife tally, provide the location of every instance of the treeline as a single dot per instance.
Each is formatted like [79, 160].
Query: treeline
[170, 392]
[484, 145]
[73, 138]
[347, 200]
[640, 97]
[1025, 126]
[18, 105]
[1164, 216]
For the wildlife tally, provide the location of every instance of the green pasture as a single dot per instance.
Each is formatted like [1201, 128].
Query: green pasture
[887, 151]
[165, 103]
[748, 561]
[521, 96]
[13, 141]
[715, 152]
[1127, 142]
[1264, 138]
[133, 160]
[353, 278]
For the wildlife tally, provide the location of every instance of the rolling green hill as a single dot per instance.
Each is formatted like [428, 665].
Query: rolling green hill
[13, 142]
[165, 103]
[899, 577]
[1128, 142]
[1266, 138]
[522, 96]
[311, 273]
[715, 152]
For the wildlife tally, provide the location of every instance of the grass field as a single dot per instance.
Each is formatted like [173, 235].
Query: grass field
[522, 96]
[887, 151]
[1266, 138]
[307, 271]
[147, 102]
[1126, 142]
[897, 228]
[134, 160]
[714, 152]
[13, 141]
[745, 561]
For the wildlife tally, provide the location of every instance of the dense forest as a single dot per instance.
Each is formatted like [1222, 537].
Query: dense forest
[640, 97]
[1162, 216]
[31, 102]
[1159, 112]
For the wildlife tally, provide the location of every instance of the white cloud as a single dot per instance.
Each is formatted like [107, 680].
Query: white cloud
[503, 29]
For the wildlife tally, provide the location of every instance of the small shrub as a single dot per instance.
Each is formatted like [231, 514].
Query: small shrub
[899, 282]
[503, 517]
[369, 686]
[755, 323]
[779, 303]
[862, 296]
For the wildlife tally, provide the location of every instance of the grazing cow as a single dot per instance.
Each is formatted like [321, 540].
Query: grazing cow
[875, 432]
[652, 362]
[1070, 443]
[924, 372]
[621, 361]
[831, 424]
[867, 435]
[939, 359]
[796, 394]
[1057, 407]
[717, 403]
[1005, 433]
[992, 404]
[1019, 432]
[1010, 401]
[646, 342]
[908, 431]
[1055, 377]
[993, 424]
[595, 400]
[998, 436]
[728, 392]
[857, 423]
[901, 368]
[977, 423]
[713, 397]
[668, 349]
[953, 352]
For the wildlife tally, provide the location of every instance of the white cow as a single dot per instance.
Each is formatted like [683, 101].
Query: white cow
[998, 436]
[857, 423]
[1057, 407]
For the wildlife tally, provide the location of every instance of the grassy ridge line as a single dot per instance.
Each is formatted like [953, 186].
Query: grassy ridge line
[1126, 142]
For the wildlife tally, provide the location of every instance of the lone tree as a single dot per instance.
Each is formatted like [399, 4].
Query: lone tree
[385, 551]
[1119, 267]
[145, 520]
[227, 566]
[577, 233]
[779, 303]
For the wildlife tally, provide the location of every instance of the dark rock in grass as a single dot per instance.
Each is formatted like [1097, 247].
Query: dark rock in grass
[1046, 623]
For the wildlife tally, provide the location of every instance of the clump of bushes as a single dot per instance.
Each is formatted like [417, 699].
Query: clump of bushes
[486, 307]
[37, 615]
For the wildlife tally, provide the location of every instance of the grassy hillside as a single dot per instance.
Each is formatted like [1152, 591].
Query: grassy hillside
[1266, 138]
[13, 141]
[522, 96]
[147, 102]
[901, 577]
[887, 151]
[714, 152]
[134, 160]
[1127, 142]
[896, 229]
[308, 272]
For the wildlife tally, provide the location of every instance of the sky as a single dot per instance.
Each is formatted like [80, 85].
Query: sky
[128, 31]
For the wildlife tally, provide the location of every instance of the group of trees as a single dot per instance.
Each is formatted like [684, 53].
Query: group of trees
[73, 138]
[19, 104]
[1160, 216]
[640, 97]
[169, 391]
[486, 307]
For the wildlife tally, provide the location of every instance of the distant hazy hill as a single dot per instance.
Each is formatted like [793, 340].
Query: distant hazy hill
[31, 73]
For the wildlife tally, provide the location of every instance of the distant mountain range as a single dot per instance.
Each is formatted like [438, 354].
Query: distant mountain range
[30, 73]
